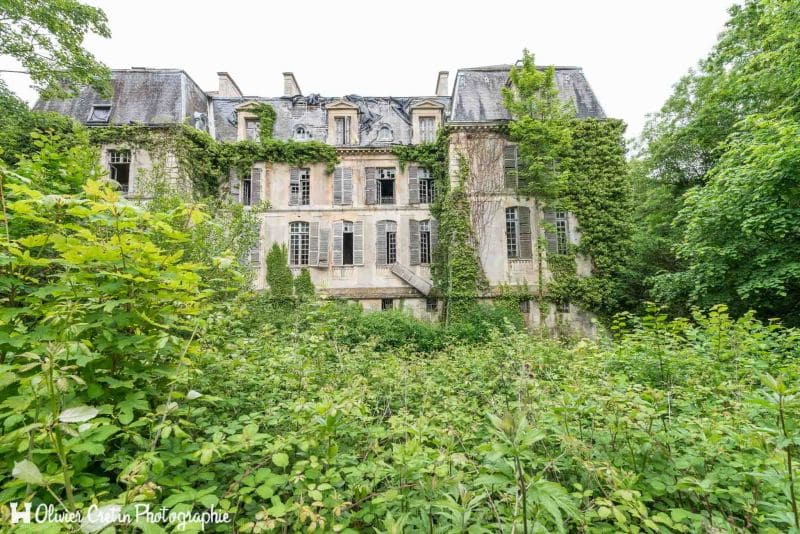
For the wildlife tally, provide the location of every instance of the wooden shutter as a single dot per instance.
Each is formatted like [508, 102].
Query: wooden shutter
[255, 185]
[235, 186]
[347, 186]
[337, 186]
[380, 243]
[324, 238]
[413, 233]
[358, 243]
[371, 184]
[294, 187]
[510, 166]
[413, 184]
[525, 246]
[338, 243]
[313, 244]
[434, 237]
[550, 233]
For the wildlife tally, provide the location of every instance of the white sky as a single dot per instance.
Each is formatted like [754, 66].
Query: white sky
[631, 51]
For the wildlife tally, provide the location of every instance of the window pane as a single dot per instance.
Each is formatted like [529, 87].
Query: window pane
[391, 247]
[511, 232]
[298, 243]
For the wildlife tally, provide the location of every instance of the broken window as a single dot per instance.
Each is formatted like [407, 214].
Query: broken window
[347, 243]
[99, 115]
[387, 304]
[300, 188]
[119, 168]
[252, 129]
[427, 188]
[425, 242]
[525, 306]
[301, 133]
[431, 305]
[385, 134]
[342, 130]
[386, 184]
[512, 232]
[427, 129]
[298, 243]
[562, 242]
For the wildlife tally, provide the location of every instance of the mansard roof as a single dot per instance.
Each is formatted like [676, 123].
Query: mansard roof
[310, 111]
[146, 96]
[477, 97]
[164, 96]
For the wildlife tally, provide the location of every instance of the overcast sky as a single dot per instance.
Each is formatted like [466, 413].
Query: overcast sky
[631, 51]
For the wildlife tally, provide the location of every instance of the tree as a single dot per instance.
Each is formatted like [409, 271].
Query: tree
[279, 276]
[540, 126]
[46, 37]
[303, 286]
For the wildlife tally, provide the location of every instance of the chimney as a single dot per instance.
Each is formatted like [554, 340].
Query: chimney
[227, 87]
[290, 87]
[441, 83]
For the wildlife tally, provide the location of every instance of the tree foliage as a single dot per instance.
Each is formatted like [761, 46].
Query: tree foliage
[722, 149]
[46, 37]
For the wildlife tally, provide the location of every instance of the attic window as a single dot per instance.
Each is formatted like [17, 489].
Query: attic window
[100, 114]
[301, 133]
[385, 134]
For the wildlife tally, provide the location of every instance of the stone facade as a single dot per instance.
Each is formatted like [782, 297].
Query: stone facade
[365, 231]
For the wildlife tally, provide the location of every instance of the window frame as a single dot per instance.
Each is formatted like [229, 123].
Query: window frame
[348, 227]
[381, 177]
[512, 241]
[562, 237]
[256, 131]
[299, 243]
[106, 107]
[427, 186]
[427, 128]
[120, 157]
[425, 252]
[387, 304]
[431, 305]
[391, 247]
[344, 139]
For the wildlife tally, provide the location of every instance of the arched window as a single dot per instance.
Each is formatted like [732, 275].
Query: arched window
[298, 243]
[301, 133]
[385, 133]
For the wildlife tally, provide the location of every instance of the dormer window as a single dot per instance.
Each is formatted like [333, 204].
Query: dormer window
[385, 134]
[301, 133]
[99, 115]
[252, 129]
[427, 129]
[342, 130]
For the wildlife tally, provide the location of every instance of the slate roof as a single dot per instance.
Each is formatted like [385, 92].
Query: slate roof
[147, 96]
[163, 96]
[477, 98]
[310, 112]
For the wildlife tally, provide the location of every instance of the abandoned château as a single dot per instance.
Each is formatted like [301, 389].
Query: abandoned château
[364, 230]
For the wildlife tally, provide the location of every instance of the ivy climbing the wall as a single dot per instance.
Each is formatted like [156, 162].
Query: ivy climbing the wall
[205, 162]
[456, 268]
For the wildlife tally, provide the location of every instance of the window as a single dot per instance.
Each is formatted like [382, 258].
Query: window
[301, 133]
[347, 243]
[431, 305]
[512, 233]
[298, 243]
[99, 114]
[425, 242]
[387, 304]
[119, 168]
[342, 130]
[386, 185]
[252, 129]
[525, 306]
[427, 129]
[562, 243]
[391, 247]
[562, 306]
[247, 189]
[510, 166]
[385, 134]
[301, 189]
[427, 189]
